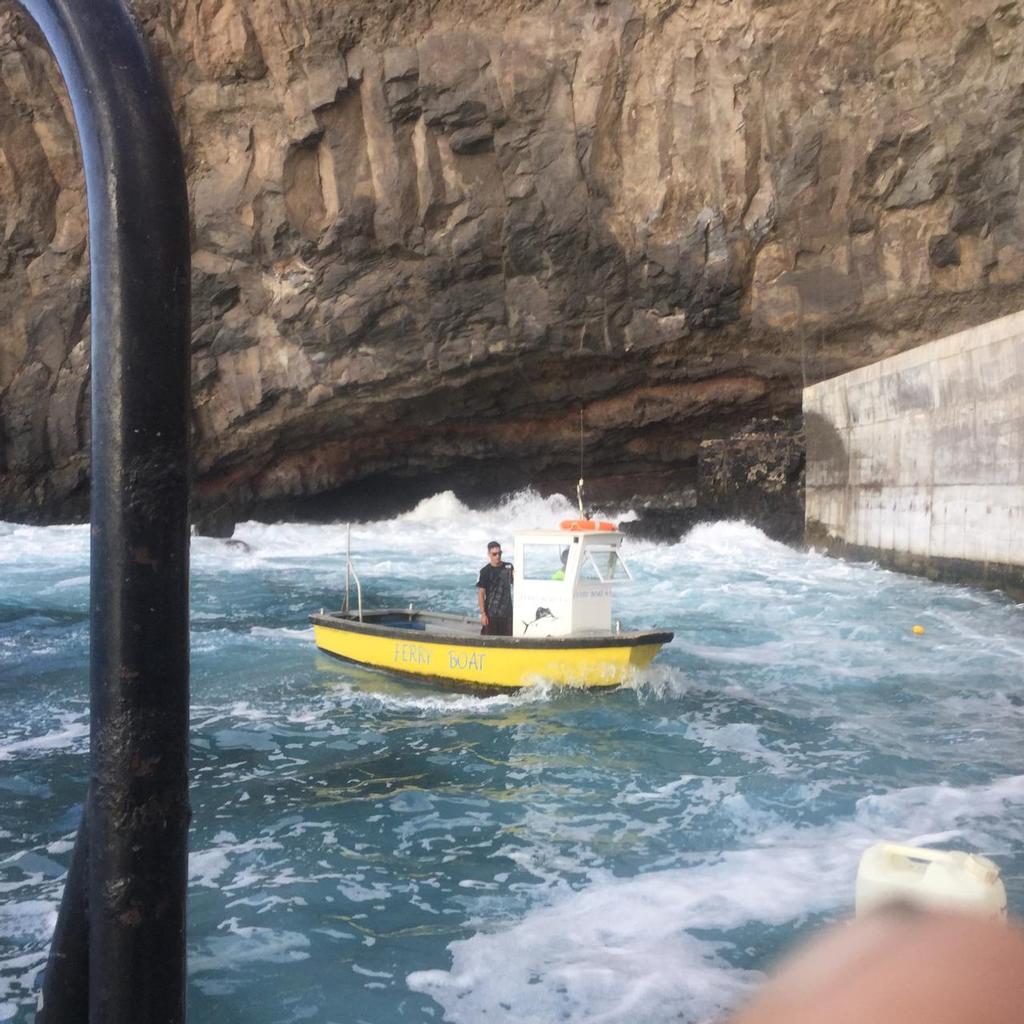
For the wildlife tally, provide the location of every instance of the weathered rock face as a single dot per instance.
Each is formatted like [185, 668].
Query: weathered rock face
[756, 474]
[426, 232]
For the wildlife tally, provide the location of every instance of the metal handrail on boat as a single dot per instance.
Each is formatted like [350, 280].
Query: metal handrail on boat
[350, 573]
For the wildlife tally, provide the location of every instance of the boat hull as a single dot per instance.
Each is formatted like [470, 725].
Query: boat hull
[484, 662]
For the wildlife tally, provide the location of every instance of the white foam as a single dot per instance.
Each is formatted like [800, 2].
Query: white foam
[205, 867]
[71, 583]
[436, 705]
[241, 710]
[17, 979]
[367, 973]
[30, 923]
[69, 735]
[438, 510]
[28, 920]
[439, 527]
[741, 738]
[241, 946]
[43, 545]
[991, 814]
[618, 951]
[622, 950]
[287, 635]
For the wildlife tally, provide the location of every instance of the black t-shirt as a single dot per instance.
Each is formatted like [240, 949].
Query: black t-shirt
[496, 581]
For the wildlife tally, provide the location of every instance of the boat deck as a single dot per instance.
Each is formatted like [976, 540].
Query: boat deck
[434, 623]
[445, 627]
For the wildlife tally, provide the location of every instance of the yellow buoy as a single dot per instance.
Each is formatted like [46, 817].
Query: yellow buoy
[918, 630]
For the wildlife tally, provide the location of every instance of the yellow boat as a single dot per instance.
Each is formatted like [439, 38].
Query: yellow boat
[562, 623]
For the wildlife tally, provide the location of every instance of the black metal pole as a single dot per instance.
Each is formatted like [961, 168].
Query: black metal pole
[137, 814]
[65, 992]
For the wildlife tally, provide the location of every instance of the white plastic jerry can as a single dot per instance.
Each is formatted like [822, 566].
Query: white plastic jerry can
[933, 879]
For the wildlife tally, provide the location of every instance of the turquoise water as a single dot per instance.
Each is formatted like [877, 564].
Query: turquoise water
[365, 849]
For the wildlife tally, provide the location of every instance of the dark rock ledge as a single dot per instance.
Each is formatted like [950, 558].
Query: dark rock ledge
[756, 475]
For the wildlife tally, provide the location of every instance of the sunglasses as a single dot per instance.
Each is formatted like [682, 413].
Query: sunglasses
[493, 553]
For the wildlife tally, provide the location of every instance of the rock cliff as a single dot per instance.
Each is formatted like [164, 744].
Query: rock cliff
[427, 232]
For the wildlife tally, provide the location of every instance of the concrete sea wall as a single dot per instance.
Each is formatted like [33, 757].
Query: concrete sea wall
[917, 461]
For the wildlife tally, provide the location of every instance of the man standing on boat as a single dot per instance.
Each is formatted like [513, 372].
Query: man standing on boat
[494, 593]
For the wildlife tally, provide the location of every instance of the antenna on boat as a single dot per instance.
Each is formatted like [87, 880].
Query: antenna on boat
[352, 576]
[579, 485]
[348, 567]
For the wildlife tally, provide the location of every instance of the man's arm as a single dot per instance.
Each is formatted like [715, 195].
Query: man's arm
[481, 596]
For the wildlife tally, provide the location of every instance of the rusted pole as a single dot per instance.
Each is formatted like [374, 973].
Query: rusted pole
[136, 818]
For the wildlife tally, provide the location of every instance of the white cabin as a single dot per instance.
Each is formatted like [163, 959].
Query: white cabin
[563, 581]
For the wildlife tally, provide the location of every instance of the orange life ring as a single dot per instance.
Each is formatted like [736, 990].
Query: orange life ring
[586, 524]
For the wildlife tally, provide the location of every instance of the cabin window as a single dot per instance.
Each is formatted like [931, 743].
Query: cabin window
[543, 561]
[604, 565]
